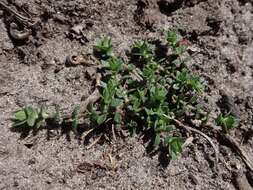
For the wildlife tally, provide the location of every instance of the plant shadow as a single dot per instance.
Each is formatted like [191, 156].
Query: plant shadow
[63, 129]
[24, 131]
[161, 151]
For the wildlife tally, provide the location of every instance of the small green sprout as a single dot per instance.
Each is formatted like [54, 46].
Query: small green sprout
[177, 45]
[56, 116]
[174, 145]
[113, 64]
[30, 117]
[157, 94]
[96, 117]
[109, 103]
[184, 80]
[104, 48]
[172, 38]
[117, 118]
[195, 84]
[142, 50]
[228, 122]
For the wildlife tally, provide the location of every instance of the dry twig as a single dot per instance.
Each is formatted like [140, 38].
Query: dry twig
[236, 147]
[113, 133]
[18, 16]
[94, 142]
[188, 128]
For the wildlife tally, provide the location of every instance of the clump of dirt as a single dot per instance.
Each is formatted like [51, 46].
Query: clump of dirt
[34, 71]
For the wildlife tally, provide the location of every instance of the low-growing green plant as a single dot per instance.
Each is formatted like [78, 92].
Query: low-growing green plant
[175, 43]
[113, 64]
[174, 145]
[103, 48]
[74, 118]
[144, 95]
[142, 51]
[148, 103]
[30, 117]
[227, 122]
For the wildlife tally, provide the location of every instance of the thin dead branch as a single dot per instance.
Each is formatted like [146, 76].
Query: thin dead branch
[94, 142]
[188, 128]
[18, 16]
[236, 147]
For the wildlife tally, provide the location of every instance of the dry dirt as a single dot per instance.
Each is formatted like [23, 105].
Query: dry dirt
[31, 72]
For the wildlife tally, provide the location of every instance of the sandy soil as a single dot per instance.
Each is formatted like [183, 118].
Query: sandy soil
[31, 72]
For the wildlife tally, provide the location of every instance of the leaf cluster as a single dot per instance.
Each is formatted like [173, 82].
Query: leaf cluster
[146, 97]
[30, 117]
[103, 48]
[176, 44]
[35, 118]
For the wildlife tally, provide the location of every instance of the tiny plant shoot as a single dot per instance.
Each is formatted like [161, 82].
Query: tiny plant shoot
[227, 122]
[103, 48]
[30, 117]
[143, 96]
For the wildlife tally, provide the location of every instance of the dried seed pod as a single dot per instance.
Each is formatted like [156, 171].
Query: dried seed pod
[82, 59]
[73, 60]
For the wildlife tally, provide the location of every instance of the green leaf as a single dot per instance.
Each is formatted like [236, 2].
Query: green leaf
[93, 114]
[180, 50]
[28, 110]
[101, 119]
[172, 38]
[160, 94]
[131, 67]
[195, 84]
[104, 47]
[116, 102]
[142, 50]
[117, 118]
[20, 115]
[43, 112]
[174, 145]
[157, 140]
[39, 123]
[181, 76]
[109, 91]
[19, 123]
[157, 94]
[121, 92]
[31, 121]
[103, 84]
[97, 117]
[176, 86]
[231, 122]
[227, 122]
[75, 112]
[74, 118]
[114, 64]
[32, 116]
[105, 63]
[142, 94]
[164, 129]
[132, 125]
[56, 115]
[106, 96]
[177, 62]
